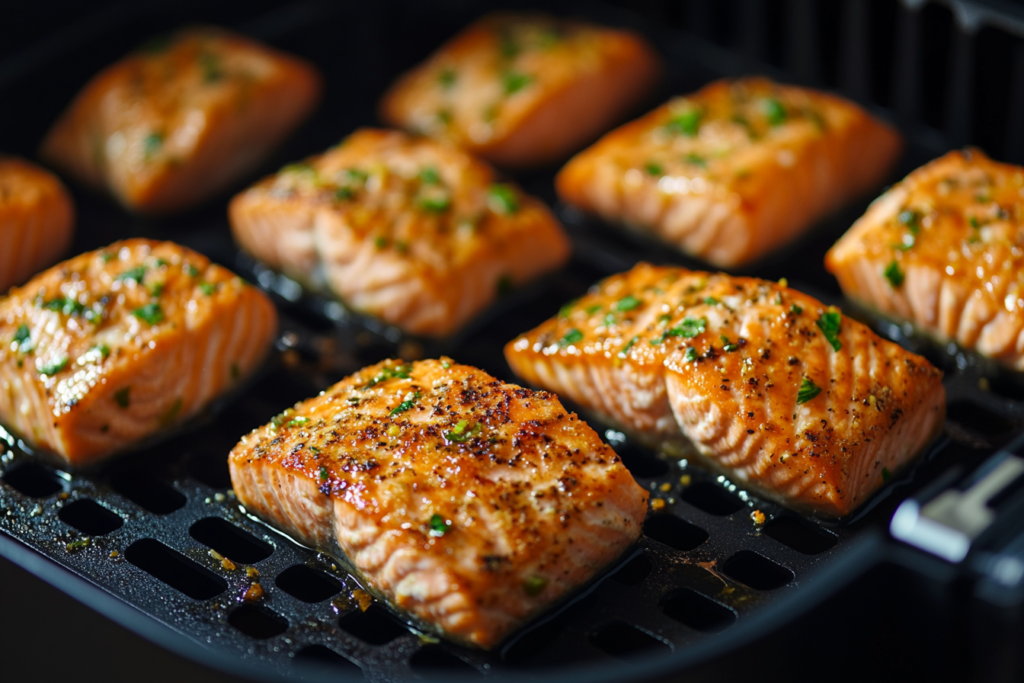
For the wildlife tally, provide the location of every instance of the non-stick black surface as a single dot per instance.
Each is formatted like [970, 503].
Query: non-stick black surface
[142, 538]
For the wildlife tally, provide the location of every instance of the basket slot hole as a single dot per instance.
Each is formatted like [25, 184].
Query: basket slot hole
[90, 517]
[674, 532]
[374, 626]
[799, 535]
[258, 621]
[625, 641]
[634, 571]
[149, 493]
[538, 639]
[436, 659]
[977, 419]
[308, 585]
[174, 569]
[757, 571]
[230, 541]
[711, 499]
[1007, 385]
[689, 607]
[210, 469]
[642, 464]
[33, 480]
[321, 654]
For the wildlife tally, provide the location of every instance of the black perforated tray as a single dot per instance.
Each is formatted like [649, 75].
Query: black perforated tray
[140, 539]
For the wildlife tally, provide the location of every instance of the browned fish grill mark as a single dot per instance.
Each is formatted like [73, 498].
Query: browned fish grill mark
[733, 171]
[469, 504]
[413, 231]
[115, 345]
[701, 361]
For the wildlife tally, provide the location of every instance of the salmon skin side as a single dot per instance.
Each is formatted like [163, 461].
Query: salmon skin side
[733, 171]
[181, 118]
[37, 220]
[113, 346]
[771, 387]
[415, 232]
[944, 250]
[523, 90]
[468, 504]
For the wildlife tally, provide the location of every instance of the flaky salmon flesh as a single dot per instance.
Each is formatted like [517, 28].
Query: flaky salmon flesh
[734, 171]
[115, 345]
[524, 90]
[782, 394]
[37, 220]
[415, 232]
[181, 118]
[944, 250]
[468, 504]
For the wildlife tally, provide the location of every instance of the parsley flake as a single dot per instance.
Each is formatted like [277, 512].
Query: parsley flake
[502, 199]
[774, 111]
[627, 303]
[22, 339]
[54, 366]
[893, 274]
[438, 525]
[535, 585]
[323, 474]
[808, 390]
[409, 402]
[573, 336]
[686, 123]
[152, 313]
[691, 355]
[829, 323]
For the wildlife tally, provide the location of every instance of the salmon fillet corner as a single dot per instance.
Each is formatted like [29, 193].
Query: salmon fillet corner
[468, 504]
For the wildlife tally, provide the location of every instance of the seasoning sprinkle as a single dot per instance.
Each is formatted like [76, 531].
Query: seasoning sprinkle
[808, 390]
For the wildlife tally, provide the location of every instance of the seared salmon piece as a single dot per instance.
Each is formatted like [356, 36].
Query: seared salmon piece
[733, 171]
[115, 345]
[524, 90]
[771, 387]
[468, 504]
[944, 250]
[413, 231]
[181, 118]
[36, 220]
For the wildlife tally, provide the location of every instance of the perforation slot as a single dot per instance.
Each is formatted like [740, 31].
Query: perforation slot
[230, 541]
[642, 464]
[90, 517]
[321, 654]
[308, 585]
[799, 535]
[634, 571]
[151, 494]
[436, 659]
[625, 641]
[689, 607]
[257, 621]
[374, 626]
[209, 469]
[174, 569]
[711, 499]
[674, 532]
[977, 419]
[757, 571]
[33, 480]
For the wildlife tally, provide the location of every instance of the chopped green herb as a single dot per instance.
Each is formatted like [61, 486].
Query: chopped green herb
[974, 222]
[458, 433]
[213, 71]
[447, 78]
[627, 303]
[438, 526]
[151, 313]
[134, 275]
[434, 202]
[106, 256]
[573, 336]
[566, 310]
[727, 345]
[103, 349]
[191, 270]
[445, 364]
[829, 324]
[344, 193]
[156, 289]
[911, 219]
[906, 243]
[625, 349]
[535, 585]
[159, 263]
[444, 116]
[54, 366]
[515, 81]
[399, 371]
[380, 241]
[22, 339]
[686, 123]
[323, 473]
[886, 475]
[409, 402]
[430, 176]
[795, 309]
[711, 301]
[151, 145]
[893, 274]
[808, 390]
[80, 544]
[67, 306]
[690, 327]
[502, 199]
[296, 422]
[653, 168]
[610, 319]
[591, 310]
[122, 397]
[696, 160]
[774, 111]
[691, 355]
[982, 198]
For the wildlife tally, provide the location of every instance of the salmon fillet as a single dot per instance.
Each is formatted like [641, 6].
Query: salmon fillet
[524, 90]
[944, 249]
[469, 504]
[181, 118]
[733, 171]
[114, 345]
[413, 231]
[771, 387]
[36, 220]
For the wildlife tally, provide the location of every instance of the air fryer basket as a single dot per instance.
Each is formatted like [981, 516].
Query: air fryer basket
[156, 541]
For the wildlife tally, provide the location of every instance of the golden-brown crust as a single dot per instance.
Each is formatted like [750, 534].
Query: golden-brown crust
[524, 89]
[174, 122]
[469, 503]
